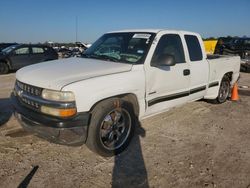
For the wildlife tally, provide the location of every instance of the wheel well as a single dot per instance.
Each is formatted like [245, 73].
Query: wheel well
[129, 97]
[133, 100]
[229, 75]
[6, 62]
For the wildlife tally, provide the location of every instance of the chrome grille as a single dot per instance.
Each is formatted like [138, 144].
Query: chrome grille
[29, 103]
[32, 90]
[27, 94]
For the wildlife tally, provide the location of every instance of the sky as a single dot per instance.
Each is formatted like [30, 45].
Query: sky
[31, 21]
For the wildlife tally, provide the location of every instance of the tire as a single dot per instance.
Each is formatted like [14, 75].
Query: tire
[223, 91]
[4, 68]
[111, 127]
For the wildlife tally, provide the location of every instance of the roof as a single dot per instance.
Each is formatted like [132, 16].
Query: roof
[150, 31]
[138, 30]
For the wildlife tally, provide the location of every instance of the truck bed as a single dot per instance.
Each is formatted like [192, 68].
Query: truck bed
[221, 64]
[216, 56]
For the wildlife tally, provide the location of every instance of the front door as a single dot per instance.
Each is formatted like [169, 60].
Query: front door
[20, 57]
[167, 86]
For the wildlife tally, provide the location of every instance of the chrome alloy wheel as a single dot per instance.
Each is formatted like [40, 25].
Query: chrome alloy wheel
[224, 91]
[115, 129]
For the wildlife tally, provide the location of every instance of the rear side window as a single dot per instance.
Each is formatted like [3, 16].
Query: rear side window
[37, 50]
[194, 48]
[169, 44]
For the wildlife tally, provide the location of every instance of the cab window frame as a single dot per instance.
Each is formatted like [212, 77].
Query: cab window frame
[164, 38]
[194, 48]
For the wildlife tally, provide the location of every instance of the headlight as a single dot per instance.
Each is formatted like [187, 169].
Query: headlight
[62, 96]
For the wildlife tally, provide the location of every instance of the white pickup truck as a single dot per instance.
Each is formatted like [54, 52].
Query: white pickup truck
[123, 77]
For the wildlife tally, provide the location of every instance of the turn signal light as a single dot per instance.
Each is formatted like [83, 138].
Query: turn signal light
[67, 112]
[58, 112]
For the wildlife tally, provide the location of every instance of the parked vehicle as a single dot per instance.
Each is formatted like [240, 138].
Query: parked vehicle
[82, 47]
[236, 46]
[17, 56]
[245, 65]
[221, 44]
[123, 77]
[5, 45]
[64, 53]
[76, 52]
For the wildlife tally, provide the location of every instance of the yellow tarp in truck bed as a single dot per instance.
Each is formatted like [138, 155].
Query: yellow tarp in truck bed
[210, 46]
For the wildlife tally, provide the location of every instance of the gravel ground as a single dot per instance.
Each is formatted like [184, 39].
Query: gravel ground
[195, 145]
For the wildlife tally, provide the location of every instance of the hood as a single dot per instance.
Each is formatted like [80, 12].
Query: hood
[58, 73]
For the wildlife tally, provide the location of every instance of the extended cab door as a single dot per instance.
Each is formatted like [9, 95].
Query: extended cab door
[166, 86]
[199, 68]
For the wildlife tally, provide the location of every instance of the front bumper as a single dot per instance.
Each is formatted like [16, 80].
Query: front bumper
[70, 131]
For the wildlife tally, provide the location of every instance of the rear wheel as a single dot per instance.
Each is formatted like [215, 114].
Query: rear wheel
[4, 68]
[111, 127]
[224, 90]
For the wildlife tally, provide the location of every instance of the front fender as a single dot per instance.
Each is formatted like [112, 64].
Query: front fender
[89, 92]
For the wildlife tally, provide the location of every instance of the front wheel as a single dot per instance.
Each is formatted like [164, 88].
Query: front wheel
[4, 69]
[224, 90]
[111, 127]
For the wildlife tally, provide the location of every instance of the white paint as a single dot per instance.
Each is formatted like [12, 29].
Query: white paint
[58, 73]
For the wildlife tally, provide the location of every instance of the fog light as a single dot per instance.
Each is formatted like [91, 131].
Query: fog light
[58, 112]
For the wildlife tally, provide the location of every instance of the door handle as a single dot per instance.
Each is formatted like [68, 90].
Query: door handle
[186, 72]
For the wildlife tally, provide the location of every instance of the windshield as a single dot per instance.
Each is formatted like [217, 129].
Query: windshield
[9, 49]
[129, 47]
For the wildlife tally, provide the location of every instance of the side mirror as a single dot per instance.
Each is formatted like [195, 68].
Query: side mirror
[166, 60]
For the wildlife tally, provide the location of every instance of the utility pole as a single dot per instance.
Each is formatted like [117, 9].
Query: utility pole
[76, 28]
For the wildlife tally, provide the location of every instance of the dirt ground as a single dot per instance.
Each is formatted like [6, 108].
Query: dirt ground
[196, 145]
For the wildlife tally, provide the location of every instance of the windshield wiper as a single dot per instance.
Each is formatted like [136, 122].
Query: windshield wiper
[101, 57]
[106, 57]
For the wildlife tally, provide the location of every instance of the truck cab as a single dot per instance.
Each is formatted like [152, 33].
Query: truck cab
[183, 81]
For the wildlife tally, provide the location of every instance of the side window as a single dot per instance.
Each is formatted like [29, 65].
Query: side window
[22, 51]
[37, 50]
[169, 44]
[194, 48]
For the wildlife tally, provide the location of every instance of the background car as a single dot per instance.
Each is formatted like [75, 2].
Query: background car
[64, 53]
[17, 56]
[236, 46]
